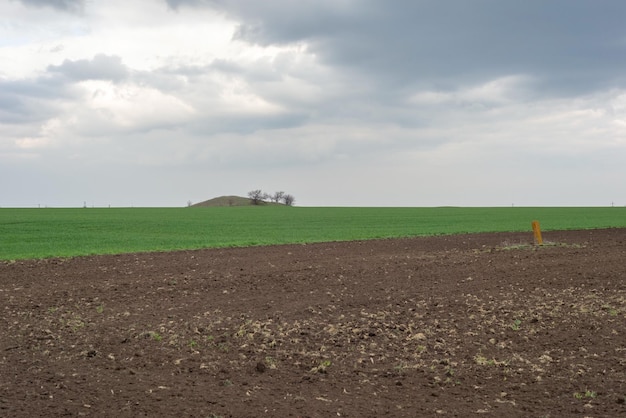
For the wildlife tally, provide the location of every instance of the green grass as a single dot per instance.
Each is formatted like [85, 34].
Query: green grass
[40, 233]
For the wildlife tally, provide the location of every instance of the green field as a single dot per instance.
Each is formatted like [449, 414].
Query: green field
[40, 233]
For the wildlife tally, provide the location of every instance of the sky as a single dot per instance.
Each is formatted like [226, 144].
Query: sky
[337, 102]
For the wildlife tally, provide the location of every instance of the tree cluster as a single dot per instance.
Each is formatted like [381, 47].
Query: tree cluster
[258, 197]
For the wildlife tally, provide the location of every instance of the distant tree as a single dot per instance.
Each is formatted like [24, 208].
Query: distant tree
[289, 200]
[256, 196]
[189, 203]
[277, 197]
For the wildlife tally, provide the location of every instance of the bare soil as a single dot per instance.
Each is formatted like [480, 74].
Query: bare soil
[481, 324]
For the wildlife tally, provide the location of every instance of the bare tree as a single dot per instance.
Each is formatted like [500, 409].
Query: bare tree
[277, 196]
[289, 200]
[256, 196]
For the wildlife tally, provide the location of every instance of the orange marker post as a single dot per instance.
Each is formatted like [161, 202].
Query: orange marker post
[537, 232]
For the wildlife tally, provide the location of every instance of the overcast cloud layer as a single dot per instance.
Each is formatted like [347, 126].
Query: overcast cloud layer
[338, 102]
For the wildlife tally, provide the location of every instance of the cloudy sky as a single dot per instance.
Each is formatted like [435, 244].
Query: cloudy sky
[338, 102]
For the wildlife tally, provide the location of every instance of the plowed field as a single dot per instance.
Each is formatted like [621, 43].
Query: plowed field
[481, 324]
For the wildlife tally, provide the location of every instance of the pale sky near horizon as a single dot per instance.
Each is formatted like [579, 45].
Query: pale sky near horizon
[337, 102]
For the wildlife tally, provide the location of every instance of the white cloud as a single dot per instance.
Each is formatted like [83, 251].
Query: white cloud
[128, 108]
[496, 92]
[32, 143]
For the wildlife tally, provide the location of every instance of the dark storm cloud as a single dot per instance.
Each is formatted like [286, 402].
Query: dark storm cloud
[101, 67]
[66, 5]
[567, 46]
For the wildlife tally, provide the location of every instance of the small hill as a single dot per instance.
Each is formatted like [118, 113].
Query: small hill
[224, 201]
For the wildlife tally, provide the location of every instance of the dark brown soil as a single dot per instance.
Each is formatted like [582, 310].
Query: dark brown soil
[484, 324]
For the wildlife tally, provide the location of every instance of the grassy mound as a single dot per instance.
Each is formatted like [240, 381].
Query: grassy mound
[225, 201]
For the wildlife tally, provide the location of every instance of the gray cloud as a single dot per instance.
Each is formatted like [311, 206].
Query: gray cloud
[101, 67]
[570, 46]
[30, 100]
[65, 5]
[175, 4]
[245, 124]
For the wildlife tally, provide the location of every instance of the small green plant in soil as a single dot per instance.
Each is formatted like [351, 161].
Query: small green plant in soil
[322, 367]
[155, 336]
[588, 394]
[484, 361]
[516, 325]
[610, 310]
[271, 362]
[75, 323]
